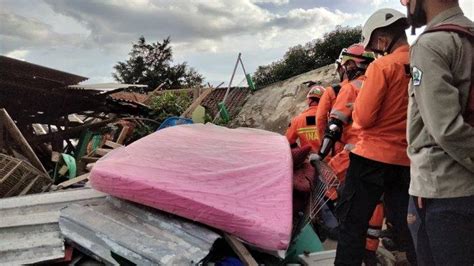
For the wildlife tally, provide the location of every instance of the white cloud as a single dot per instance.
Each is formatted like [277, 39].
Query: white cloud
[275, 2]
[19, 32]
[18, 54]
[197, 25]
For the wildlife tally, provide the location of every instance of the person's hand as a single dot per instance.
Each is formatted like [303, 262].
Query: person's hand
[314, 159]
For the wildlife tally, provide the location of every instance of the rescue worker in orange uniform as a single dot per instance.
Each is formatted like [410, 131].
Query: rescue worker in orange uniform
[354, 60]
[303, 127]
[378, 164]
[329, 98]
[327, 102]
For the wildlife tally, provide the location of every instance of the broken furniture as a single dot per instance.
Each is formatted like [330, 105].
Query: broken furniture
[18, 177]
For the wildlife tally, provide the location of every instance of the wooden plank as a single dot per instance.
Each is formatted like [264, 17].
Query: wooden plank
[123, 135]
[240, 250]
[113, 145]
[89, 159]
[15, 133]
[156, 90]
[63, 170]
[197, 102]
[101, 151]
[73, 181]
[30, 185]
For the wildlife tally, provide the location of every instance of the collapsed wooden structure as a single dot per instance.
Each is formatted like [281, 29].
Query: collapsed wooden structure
[50, 113]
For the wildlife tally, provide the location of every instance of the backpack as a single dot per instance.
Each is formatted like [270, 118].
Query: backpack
[469, 112]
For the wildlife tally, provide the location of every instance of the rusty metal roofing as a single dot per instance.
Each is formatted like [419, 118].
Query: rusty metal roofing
[234, 102]
[29, 230]
[106, 86]
[36, 75]
[139, 234]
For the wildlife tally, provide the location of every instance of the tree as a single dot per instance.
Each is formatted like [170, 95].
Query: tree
[300, 59]
[150, 64]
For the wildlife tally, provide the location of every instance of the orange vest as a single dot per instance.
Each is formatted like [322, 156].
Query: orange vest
[380, 111]
[325, 106]
[303, 127]
[342, 109]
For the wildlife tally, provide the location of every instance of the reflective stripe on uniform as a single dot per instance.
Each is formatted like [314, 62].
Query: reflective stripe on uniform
[357, 83]
[339, 115]
[374, 232]
[306, 129]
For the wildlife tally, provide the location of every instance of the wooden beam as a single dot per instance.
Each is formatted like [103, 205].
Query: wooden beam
[240, 250]
[16, 134]
[101, 151]
[89, 159]
[73, 181]
[113, 145]
[157, 89]
[123, 135]
[197, 102]
[70, 132]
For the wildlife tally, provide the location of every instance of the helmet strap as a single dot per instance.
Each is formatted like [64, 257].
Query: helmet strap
[392, 43]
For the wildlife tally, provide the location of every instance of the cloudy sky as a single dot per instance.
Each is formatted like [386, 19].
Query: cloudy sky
[88, 37]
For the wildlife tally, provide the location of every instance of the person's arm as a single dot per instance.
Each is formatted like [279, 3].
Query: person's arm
[324, 107]
[342, 109]
[369, 101]
[292, 134]
[438, 100]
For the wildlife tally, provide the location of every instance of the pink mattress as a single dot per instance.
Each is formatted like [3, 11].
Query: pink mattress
[236, 180]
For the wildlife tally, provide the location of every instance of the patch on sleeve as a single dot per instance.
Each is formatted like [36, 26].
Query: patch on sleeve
[417, 75]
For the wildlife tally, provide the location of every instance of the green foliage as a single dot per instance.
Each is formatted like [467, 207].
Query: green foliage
[300, 59]
[169, 104]
[141, 131]
[150, 64]
[162, 106]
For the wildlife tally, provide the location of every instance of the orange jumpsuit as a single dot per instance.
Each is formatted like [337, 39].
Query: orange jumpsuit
[342, 110]
[303, 128]
[381, 110]
[325, 106]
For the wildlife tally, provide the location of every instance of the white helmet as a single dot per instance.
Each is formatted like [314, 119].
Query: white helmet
[381, 18]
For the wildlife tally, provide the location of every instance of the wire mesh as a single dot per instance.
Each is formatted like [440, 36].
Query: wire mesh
[323, 188]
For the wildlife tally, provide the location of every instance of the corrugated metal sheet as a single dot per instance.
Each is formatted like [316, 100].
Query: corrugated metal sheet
[29, 230]
[142, 235]
[105, 86]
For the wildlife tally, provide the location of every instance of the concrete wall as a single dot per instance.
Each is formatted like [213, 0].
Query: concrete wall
[272, 107]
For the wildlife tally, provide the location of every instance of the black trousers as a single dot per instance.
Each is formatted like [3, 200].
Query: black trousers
[443, 230]
[366, 181]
